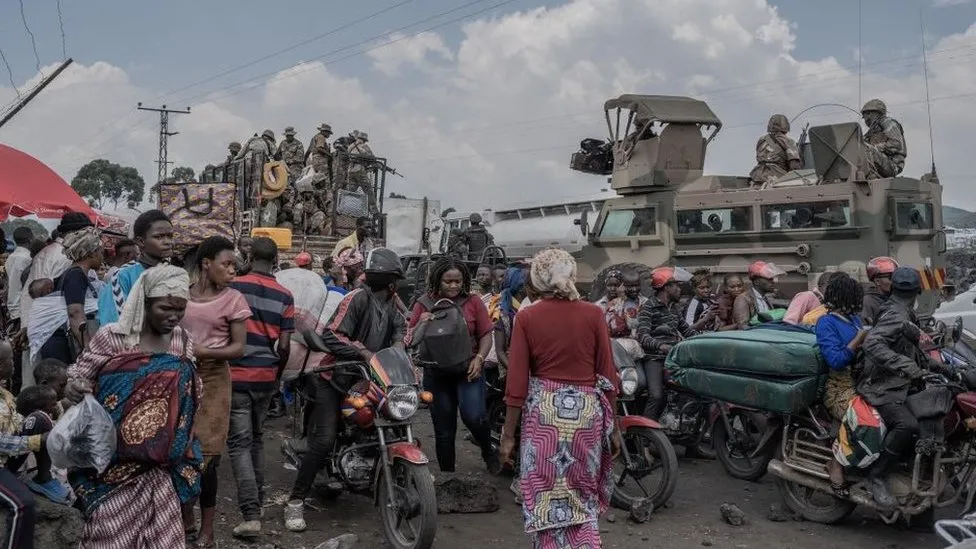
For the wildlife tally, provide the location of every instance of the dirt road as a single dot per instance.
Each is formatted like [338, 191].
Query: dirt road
[692, 519]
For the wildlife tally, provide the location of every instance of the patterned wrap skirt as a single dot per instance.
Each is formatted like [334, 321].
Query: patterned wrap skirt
[566, 463]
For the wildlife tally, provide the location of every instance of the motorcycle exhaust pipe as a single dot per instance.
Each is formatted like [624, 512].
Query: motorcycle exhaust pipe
[779, 469]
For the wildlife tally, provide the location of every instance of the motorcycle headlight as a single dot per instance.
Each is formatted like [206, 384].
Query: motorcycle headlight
[402, 403]
[628, 381]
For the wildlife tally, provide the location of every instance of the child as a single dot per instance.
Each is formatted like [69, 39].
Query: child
[13, 494]
[53, 373]
[41, 287]
[38, 404]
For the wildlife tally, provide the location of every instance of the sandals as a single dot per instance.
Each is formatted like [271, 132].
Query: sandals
[53, 490]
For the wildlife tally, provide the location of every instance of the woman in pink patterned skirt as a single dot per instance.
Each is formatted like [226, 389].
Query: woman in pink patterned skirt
[561, 386]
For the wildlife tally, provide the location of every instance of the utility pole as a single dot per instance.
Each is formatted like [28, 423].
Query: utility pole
[164, 134]
[37, 89]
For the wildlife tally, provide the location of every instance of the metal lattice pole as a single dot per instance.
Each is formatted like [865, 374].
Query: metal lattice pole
[162, 160]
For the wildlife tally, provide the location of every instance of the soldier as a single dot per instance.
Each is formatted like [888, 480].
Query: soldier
[309, 216]
[477, 238]
[455, 244]
[319, 154]
[359, 166]
[340, 165]
[776, 152]
[265, 144]
[292, 152]
[884, 141]
[235, 149]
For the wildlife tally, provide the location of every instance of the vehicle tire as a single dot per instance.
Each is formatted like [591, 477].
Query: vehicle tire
[597, 290]
[414, 496]
[736, 462]
[798, 499]
[640, 442]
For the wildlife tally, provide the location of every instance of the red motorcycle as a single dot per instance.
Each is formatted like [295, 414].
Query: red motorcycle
[375, 452]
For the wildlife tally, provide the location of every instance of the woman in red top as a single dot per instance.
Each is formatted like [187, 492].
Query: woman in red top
[561, 386]
[461, 386]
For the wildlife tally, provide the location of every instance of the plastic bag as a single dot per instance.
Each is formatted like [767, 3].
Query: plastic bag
[84, 437]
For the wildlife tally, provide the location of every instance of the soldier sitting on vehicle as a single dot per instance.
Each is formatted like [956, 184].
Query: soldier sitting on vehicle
[477, 238]
[235, 149]
[885, 148]
[776, 152]
[360, 165]
[308, 215]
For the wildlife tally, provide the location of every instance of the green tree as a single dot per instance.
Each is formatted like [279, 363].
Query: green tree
[103, 182]
[182, 174]
[397, 195]
[12, 224]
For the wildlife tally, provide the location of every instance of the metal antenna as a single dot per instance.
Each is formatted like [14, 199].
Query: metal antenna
[928, 102]
[859, 52]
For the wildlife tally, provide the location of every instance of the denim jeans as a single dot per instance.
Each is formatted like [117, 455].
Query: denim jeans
[656, 401]
[245, 446]
[453, 393]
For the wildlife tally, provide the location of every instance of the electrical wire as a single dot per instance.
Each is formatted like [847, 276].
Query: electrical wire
[23, 17]
[10, 73]
[64, 41]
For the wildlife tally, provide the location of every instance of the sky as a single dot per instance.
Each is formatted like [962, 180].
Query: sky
[479, 103]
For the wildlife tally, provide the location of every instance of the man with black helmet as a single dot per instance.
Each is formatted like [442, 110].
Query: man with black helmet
[366, 322]
[893, 360]
[884, 141]
[477, 238]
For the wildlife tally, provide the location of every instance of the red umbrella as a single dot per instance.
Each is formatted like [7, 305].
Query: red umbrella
[27, 186]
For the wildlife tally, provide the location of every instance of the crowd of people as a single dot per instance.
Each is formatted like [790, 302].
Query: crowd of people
[189, 361]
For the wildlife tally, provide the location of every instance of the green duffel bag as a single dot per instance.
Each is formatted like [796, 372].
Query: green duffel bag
[787, 396]
[773, 315]
[780, 354]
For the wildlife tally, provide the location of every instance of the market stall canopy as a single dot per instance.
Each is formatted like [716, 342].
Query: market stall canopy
[27, 186]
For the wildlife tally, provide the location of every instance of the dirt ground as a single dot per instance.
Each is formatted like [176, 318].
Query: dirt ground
[691, 520]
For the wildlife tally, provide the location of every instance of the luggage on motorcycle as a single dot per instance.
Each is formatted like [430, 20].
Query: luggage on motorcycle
[772, 315]
[861, 436]
[777, 370]
[933, 402]
[444, 340]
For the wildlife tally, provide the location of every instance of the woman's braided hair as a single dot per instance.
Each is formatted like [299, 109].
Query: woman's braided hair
[441, 267]
[843, 294]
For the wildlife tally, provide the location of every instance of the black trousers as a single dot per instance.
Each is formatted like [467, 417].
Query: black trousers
[322, 429]
[654, 373]
[902, 427]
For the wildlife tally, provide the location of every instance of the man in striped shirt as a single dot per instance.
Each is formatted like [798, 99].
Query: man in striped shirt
[255, 377]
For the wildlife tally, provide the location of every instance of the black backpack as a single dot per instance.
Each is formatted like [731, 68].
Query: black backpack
[445, 342]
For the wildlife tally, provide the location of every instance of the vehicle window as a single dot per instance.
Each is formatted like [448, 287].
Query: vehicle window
[914, 216]
[718, 220]
[637, 222]
[810, 215]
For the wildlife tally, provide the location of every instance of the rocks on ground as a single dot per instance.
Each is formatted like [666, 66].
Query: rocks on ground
[732, 514]
[641, 510]
[57, 526]
[345, 541]
[466, 494]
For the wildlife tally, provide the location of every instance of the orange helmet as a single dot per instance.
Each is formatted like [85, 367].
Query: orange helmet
[662, 276]
[764, 269]
[303, 259]
[881, 266]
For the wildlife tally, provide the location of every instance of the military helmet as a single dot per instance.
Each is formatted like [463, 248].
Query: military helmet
[475, 218]
[289, 130]
[875, 105]
[778, 123]
[364, 136]
[324, 128]
[268, 133]
[234, 146]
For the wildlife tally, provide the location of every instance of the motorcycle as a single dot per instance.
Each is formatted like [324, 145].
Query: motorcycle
[646, 449]
[375, 452]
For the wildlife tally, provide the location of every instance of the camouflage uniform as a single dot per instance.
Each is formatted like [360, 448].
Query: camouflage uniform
[776, 152]
[885, 148]
[264, 144]
[235, 149]
[340, 164]
[309, 216]
[319, 153]
[292, 153]
[359, 169]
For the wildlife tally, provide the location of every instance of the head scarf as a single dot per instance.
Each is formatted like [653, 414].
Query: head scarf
[554, 273]
[81, 244]
[512, 285]
[161, 281]
[348, 257]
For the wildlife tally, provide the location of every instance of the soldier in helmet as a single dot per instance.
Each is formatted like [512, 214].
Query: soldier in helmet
[309, 217]
[235, 149]
[264, 144]
[776, 152]
[885, 148]
[359, 166]
[477, 238]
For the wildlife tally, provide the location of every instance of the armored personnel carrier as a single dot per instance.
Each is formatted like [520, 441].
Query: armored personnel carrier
[826, 216]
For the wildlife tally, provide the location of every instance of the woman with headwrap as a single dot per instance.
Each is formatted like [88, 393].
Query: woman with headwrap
[561, 370]
[141, 371]
[502, 309]
[84, 249]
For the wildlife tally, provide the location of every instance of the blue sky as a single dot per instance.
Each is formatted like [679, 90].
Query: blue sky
[496, 102]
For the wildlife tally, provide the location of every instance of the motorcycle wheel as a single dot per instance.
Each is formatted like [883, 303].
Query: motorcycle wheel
[734, 452]
[650, 451]
[812, 505]
[413, 501]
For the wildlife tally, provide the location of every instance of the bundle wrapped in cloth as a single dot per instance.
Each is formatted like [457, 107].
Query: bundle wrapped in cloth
[769, 367]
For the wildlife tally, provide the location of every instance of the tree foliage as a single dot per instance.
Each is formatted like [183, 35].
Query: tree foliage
[447, 211]
[397, 195]
[182, 174]
[103, 182]
[12, 224]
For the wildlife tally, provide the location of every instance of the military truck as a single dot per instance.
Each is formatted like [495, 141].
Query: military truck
[826, 216]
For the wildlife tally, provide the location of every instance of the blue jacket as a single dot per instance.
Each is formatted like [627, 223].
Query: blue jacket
[833, 335]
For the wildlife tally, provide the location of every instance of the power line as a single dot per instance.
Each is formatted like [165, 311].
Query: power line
[164, 135]
[23, 17]
[64, 42]
[10, 73]
[278, 77]
[288, 49]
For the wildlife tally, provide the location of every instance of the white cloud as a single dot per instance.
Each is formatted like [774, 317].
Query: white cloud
[408, 51]
[944, 3]
[495, 117]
